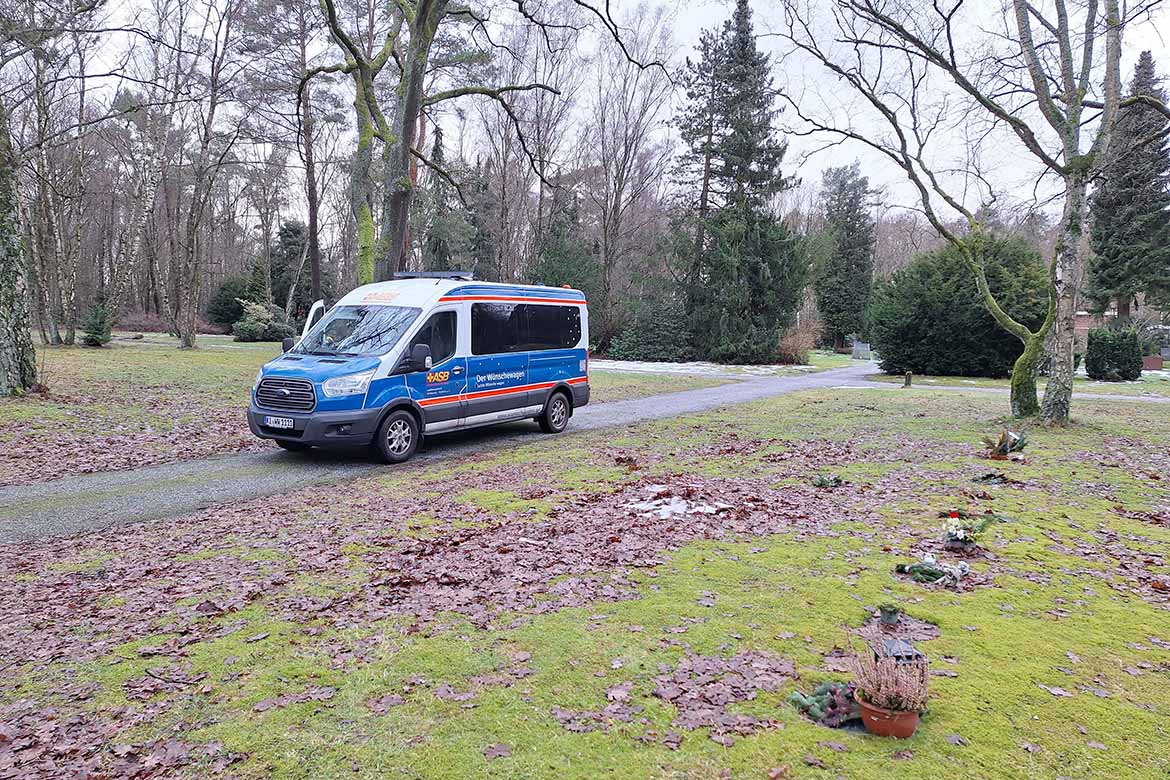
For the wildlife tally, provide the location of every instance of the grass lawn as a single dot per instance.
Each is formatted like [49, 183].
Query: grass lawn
[141, 402]
[535, 612]
[1151, 383]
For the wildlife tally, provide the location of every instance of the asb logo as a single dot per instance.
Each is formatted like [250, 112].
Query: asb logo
[438, 376]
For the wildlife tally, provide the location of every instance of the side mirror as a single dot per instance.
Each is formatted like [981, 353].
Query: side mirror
[420, 357]
[287, 344]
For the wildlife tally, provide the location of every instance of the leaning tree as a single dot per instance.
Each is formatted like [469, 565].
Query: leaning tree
[950, 84]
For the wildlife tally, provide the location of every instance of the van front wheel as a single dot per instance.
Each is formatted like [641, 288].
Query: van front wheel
[397, 436]
[555, 417]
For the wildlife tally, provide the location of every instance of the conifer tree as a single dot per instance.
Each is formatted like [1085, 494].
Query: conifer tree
[97, 327]
[748, 153]
[437, 249]
[565, 255]
[844, 280]
[701, 126]
[1131, 207]
[745, 272]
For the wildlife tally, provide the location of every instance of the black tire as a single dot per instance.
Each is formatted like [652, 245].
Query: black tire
[291, 446]
[398, 436]
[555, 417]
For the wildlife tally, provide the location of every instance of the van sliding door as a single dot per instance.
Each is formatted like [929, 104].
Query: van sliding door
[497, 367]
[552, 340]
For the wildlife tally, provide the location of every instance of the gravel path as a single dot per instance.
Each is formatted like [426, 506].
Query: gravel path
[92, 502]
[96, 501]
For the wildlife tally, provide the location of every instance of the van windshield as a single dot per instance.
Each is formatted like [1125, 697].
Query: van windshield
[358, 330]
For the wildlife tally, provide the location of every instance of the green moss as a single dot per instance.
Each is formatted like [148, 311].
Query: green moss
[906, 455]
[503, 502]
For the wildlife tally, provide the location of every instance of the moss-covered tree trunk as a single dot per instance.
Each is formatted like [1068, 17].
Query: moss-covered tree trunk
[18, 370]
[361, 186]
[401, 138]
[1024, 401]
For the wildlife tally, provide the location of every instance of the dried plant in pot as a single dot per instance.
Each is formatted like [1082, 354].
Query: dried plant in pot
[891, 692]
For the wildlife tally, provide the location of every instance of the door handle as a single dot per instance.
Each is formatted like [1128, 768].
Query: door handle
[457, 369]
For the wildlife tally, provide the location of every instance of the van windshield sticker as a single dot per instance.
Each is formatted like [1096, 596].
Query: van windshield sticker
[380, 296]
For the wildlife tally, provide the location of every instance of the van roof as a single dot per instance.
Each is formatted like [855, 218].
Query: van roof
[421, 293]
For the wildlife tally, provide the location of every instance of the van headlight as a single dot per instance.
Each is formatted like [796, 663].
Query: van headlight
[351, 384]
[256, 382]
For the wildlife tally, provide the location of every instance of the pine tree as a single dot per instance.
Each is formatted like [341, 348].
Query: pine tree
[749, 154]
[753, 278]
[565, 254]
[481, 210]
[701, 126]
[844, 280]
[449, 234]
[1131, 208]
[436, 251]
[291, 266]
[744, 271]
[260, 280]
[96, 328]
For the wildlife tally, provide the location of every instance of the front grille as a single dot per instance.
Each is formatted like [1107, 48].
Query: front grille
[287, 395]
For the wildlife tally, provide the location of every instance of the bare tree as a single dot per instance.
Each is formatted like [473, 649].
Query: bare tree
[26, 29]
[1048, 79]
[626, 148]
[213, 144]
[411, 30]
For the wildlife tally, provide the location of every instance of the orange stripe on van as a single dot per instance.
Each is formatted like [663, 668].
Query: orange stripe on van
[447, 399]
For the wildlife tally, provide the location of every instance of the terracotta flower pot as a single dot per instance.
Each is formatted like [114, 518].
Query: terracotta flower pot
[887, 723]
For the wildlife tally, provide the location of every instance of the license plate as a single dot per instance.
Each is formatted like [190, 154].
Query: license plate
[279, 422]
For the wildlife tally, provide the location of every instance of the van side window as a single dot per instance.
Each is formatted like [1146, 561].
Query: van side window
[439, 334]
[496, 328]
[552, 327]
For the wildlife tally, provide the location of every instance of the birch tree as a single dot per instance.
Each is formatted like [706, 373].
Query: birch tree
[26, 29]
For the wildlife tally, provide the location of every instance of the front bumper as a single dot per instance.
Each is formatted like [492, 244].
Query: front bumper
[319, 429]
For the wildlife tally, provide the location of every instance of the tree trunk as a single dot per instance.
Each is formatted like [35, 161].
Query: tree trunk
[1023, 398]
[1123, 311]
[361, 188]
[399, 187]
[18, 367]
[1024, 402]
[1068, 268]
[312, 196]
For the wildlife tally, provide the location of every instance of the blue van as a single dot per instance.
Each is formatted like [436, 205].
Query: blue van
[424, 354]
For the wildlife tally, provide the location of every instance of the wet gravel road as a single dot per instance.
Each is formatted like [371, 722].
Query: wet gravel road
[97, 501]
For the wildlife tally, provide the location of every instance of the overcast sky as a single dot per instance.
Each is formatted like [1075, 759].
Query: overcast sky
[1011, 168]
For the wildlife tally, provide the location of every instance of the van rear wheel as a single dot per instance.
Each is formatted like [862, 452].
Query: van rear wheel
[555, 416]
[397, 436]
